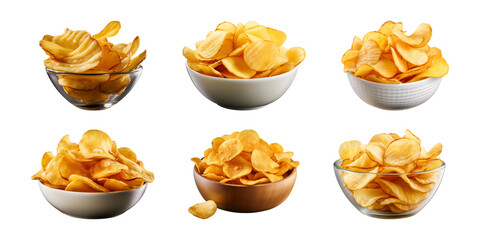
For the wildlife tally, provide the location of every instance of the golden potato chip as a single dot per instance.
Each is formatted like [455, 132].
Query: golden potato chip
[215, 170]
[287, 67]
[261, 55]
[115, 185]
[356, 43]
[262, 162]
[253, 182]
[412, 55]
[67, 167]
[114, 85]
[366, 197]
[355, 181]
[296, 55]
[402, 191]
[277, 36]
[51, 174]
[387, 27]
[216, 142]
[369, 54]
[237, 168]
[378, 37]
[229, 149]
[363, 161]
[249, 139]
[402, 152]
[227, 27]
[106, 168]
[46, 158]
[349, 149]
[96, 144]
[83, 184]
[203, 210]
[418, 39]
[385, 67]
[401, 64]
[363, 70]
[238, 67]
[439, 68]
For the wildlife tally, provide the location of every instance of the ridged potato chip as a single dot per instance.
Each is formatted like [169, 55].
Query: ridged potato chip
[389, 56]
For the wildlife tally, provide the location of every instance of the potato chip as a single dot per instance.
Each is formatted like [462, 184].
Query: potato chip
[237, 168]
[203, 210]
[402, 191]
[238, 67]
[412, 55]
[350, 149]
[366, 197]
[418, 39]
[83, 184]
[249, 139]
[369, 54]
[402, 152]
[229, 149]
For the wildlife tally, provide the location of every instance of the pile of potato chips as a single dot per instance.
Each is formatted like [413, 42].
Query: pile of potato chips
[203, 210]
[79, 52]
[244, 158]
[243, 51]
[93, 165]
[389, 56]
[390, 171]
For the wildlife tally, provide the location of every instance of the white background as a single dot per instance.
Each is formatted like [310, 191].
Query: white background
[166, 121]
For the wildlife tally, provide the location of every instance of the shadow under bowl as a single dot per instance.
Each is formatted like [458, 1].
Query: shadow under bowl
[394, 96]
[242, 94]
[92, 205]
[94, 91]
[393, 210]
[241, 198]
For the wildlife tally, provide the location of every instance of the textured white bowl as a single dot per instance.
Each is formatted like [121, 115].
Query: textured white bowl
[92, 205]
[394, 96]
[242, 93]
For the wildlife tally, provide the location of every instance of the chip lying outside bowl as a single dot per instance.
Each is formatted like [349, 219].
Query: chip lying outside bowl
[391, 176]
[390, 70]
[90, 72]
[243, 66]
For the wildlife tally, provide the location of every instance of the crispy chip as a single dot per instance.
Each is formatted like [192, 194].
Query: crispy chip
[203, 210]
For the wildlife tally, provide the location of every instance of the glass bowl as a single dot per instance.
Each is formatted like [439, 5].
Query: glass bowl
[94, 91]
[388, 195]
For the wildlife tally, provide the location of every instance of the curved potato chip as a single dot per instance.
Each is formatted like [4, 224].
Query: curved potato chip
[363, 161]
[369, 54]
[356, 43]
[402, 191]
[418, 39]
[439, 68]
[261, 162]
[115, 85]
[363, 70]
[237, 168]
[387, 27]
[401, 64]
[355, 181]
[215, 170]
[402, 152]
[296, 55]
[366, 197]
[350, 55]
[261, 55]
[106, 168]
[385, 67]
[110, 30]
[229, 149]
[259, 31]
[273, 177]
[238, 67]
[52, 174]
[217, 45]
[46, 158]
[277, 36]
[68, 166]
[203, 210]
[249, 182]
[350, 149]
[89, 96]
[227, 27]
[378, 37]
[96, 144]
[84, 184]
[412, 55]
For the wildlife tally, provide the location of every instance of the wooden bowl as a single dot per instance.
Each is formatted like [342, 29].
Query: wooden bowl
[240, 198]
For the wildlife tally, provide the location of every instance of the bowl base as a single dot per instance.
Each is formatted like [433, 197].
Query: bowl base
[241, 108]
[100, 106]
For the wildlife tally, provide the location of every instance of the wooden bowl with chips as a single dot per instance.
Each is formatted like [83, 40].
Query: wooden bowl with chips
[242, 93]
[394, 194]
[394, 96]
[242, 198]
[92, 205]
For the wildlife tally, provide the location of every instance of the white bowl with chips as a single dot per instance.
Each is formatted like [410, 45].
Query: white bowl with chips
[242, 94]
[92, 205]
[390, 203]
[115, 86]
[394, 96]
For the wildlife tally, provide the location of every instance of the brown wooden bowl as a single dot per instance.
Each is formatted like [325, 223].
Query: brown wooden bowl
[240, 198]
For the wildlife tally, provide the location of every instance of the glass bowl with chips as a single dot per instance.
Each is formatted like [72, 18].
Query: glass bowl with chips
[394, 96]
[389, 195]
[391, 176]
[94, 91]
[242, 94]
[92, 205]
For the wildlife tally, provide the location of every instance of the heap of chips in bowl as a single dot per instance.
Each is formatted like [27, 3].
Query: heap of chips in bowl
[79, 52]
[390, 56]
[243, 51]
[399, 177]
[95, 164]
[244, 158]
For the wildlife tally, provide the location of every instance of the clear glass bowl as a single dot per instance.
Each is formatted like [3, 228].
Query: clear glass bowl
[396, 197]
[94, 91]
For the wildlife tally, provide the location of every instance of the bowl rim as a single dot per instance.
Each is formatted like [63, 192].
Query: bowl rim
[336, 165]
[244, 79]
[137, 69]
[195, 171]
[396, 85]
[90, 193]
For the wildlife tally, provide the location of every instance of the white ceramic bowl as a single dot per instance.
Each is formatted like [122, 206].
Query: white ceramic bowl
[242, 93]
[92, 205]
[394, 96]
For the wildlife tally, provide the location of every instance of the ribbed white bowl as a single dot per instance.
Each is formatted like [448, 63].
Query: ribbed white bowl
[394, 96]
